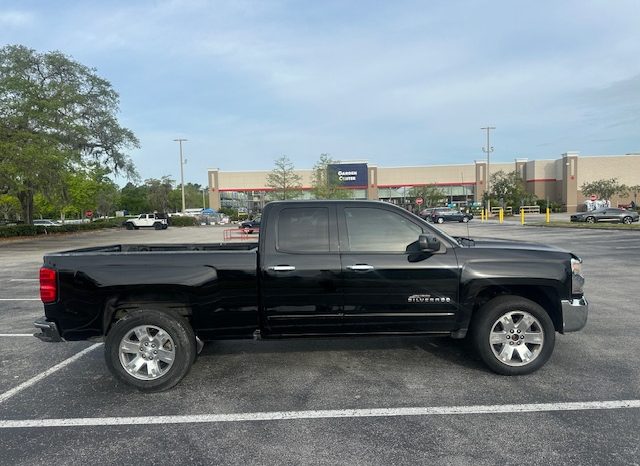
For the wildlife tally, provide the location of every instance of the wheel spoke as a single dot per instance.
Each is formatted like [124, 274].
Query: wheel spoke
[535, 338]
[136, 363]
[524, 353]
[165, 356]
[525, 323]
[161, 338]
[507, 323]
[498, 337]
[130, 347]
[507, 353]
[153, 370]
[142, 333]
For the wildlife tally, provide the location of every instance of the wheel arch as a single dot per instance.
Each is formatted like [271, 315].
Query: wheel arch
[546, 297]
[118, 306]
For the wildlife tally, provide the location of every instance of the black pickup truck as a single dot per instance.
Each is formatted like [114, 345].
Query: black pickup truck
[319, 268]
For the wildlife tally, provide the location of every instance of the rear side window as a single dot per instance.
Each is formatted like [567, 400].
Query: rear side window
[304, 229]
[379, 230]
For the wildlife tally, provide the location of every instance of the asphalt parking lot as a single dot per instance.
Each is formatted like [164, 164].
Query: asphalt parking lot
[330, 401]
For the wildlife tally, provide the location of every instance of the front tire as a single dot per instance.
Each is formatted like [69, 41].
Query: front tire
[627, 220]
[590, 220]
[513, 335]
[440, 220]
[150, 350]
[465, 219]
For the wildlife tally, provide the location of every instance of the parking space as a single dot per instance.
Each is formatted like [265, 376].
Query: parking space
[331, 385]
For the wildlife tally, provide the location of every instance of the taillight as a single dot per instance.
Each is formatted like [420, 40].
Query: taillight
[48, 285]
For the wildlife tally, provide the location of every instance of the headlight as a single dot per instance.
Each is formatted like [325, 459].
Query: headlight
[577, 279]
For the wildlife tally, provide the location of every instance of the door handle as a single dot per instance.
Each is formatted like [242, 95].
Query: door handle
[360, 267]
[282, 268]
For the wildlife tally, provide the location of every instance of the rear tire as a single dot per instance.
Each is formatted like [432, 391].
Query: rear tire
[513, 335]
[140, 367]
[129, 226]
[440, 220]
[157, 226]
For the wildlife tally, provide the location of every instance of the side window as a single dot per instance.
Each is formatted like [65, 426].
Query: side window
[304, 229]
[379, 230]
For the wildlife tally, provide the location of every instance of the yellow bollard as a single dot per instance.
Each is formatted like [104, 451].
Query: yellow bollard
[521, 217]
[501, 215]
[548, 218]
[482, 215]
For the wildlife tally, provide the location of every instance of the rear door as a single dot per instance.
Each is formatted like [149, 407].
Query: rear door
[300, 270]
[389, 284]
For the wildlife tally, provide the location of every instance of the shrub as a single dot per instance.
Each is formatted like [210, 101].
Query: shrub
[183, 221]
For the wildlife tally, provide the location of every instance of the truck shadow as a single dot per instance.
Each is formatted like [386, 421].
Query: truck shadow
[457, 352]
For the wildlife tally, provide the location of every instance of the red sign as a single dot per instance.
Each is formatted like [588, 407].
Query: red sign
[419, 201]
[88, 213]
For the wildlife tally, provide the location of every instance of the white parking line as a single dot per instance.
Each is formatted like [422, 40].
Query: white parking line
[324, 414]
[19, 299]
[16, 334]
[24, 279]
[14, 391]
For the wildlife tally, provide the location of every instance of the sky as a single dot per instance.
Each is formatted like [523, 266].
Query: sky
[397, 83]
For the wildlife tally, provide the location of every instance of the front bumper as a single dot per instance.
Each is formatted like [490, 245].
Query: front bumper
[48, 330]
[574, 314]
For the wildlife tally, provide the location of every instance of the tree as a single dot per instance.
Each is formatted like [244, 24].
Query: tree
[284, 181]
[325, 182]
[634, 190]
[509, 189]
[9, 206]
[55, 115]
[604, 189]
[158, 193]
[431, 194]
[134, 198]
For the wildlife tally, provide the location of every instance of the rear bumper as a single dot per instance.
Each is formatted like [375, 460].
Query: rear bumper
[48, 330]
[574, 314]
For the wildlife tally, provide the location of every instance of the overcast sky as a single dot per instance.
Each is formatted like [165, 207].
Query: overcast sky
[394, 83]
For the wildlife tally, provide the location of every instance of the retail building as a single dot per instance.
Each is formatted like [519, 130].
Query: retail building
[556, 180]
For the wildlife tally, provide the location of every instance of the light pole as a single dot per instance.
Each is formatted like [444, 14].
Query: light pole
[204, 205]
[487, 150]
[180, 141]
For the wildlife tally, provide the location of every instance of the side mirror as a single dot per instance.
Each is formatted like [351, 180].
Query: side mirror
[429, 243]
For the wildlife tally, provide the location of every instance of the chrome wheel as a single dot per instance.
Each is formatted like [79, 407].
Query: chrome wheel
[627, 220]
[516, 338]
[591, 220]
[147, 352]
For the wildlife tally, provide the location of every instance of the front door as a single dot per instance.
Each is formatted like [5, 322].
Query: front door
[389, 285]
[300, 271]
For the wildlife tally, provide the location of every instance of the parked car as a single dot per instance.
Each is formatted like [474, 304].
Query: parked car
[157, 221]
[426, 213]
[249, 226]
[46, 223]
[450, 215]
[320, 268]
[606, 214]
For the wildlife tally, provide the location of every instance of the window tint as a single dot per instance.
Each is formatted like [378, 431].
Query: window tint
[303, 229]
[378, 230]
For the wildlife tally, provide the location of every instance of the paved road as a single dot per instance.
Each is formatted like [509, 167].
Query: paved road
[333, 377]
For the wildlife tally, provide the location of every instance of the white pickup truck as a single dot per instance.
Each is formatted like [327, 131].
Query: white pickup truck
[148, 221]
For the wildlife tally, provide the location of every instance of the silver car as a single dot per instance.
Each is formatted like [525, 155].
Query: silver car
[606, 214]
